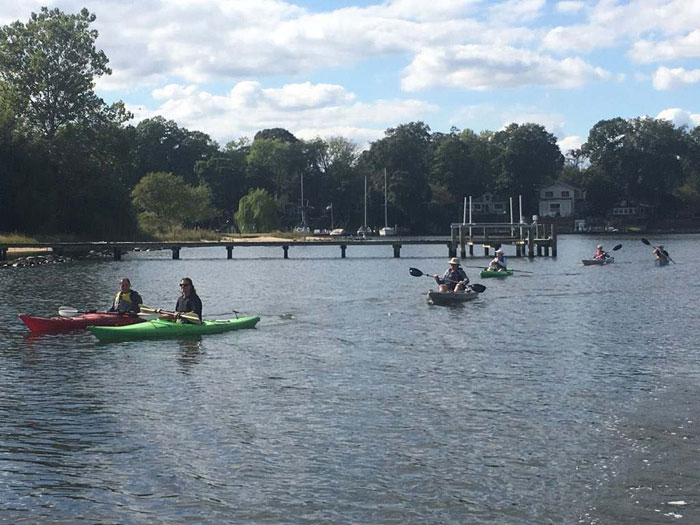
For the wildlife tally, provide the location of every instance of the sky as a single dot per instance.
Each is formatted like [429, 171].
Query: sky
[353, 69]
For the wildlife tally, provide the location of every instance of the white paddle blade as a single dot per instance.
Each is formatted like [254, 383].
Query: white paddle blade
[67, 311]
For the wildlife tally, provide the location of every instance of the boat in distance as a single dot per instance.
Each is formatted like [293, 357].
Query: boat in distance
[598, 262]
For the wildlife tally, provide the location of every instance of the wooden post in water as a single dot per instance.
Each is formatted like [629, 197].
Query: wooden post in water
[229, 251]
[462, 242]
[397, 250]
[455, 241]
[342, 251]
[286, 250]
[530, 242]
[116, 254]
[176, 252]
[554, 241]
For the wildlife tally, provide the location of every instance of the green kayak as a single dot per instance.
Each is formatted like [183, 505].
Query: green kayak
[158, 329]
[491, 273]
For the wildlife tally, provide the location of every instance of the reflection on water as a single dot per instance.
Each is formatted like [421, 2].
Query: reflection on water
[353, 400]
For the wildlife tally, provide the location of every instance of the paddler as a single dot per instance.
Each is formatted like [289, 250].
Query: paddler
[126, 300]
[600, 254]
[661, 254]
[455, 278]
[498, 264]
[188, 302]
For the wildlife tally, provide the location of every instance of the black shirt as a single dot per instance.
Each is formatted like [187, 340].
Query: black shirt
[191, 303]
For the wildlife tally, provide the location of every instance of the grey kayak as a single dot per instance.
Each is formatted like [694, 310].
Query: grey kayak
[598, 262]
[450, 298]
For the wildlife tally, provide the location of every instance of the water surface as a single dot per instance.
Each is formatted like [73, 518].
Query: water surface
[563, 395]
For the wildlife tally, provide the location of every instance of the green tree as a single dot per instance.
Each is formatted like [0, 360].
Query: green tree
[406, 152]
[257, 212]
[164, 146]
[47, 70]
[528, 157]
[165, 201]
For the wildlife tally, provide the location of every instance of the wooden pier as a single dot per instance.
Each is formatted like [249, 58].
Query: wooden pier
[532, 239]
[118, 248]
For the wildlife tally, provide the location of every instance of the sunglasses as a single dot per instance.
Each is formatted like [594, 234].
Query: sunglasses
[182, 285]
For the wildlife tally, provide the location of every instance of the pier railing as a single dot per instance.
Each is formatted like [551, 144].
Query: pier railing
[527, 238]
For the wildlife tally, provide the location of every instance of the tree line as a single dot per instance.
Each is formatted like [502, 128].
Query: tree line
[71, 164]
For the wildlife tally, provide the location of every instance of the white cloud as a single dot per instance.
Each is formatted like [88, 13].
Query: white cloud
[516, 11]
[570, 7]
[306, 109]
[566, 144]
[680, 117]
[477, 67]
[666, 79]
[682, 47]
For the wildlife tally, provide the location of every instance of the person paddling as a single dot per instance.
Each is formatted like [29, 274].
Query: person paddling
[188, 301]
[454, 280]
[126, 300]
[498, 264]
[600, 254]
[661, 254]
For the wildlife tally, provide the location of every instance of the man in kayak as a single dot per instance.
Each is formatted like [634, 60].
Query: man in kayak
[661, 254]
[498, 264]
[600, 254]
[188, 301]
[454, 280]
[126, 300]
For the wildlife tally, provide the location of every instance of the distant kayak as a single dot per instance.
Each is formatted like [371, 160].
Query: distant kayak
[79, 322]
[158, 329]
[598, 262]
[450, 298]
[491, 273]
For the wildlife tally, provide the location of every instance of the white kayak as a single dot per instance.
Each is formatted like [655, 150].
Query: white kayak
[451, 298]
[598, 262]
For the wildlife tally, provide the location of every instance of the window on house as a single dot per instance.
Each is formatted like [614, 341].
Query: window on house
[554, 208]
[548, 194]
[564, 193]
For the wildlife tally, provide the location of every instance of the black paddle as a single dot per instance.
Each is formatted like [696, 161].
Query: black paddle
[645, 241]
[478, 288]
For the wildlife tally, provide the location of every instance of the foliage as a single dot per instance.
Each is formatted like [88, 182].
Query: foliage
[257, 212]
[47, 68]
[165, 201]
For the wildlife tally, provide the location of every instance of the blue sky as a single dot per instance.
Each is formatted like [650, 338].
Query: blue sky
[355, 68]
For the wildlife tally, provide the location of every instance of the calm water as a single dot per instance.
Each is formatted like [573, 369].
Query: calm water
[568, 395]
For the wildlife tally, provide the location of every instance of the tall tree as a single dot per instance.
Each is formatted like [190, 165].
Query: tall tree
[528, 156]
[48, 67]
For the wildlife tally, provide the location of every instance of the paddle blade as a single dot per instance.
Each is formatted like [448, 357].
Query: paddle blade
[147, 316]
[415, 272]
[617, 247]
[646, 242]
[479, 288]
[68, 311]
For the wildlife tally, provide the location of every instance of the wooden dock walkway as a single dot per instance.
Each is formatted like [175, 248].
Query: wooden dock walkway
[120, 247]
[532, 239]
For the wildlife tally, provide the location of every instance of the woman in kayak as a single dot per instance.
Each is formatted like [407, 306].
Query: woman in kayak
[188, 301]
[498, 264]
[454, 280]
[126, 300]
[600, 253]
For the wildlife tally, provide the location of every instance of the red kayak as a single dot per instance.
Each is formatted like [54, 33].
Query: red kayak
[79, 322]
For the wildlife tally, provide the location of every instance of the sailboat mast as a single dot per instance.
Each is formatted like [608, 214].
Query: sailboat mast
[364, 224]
[386, 220]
